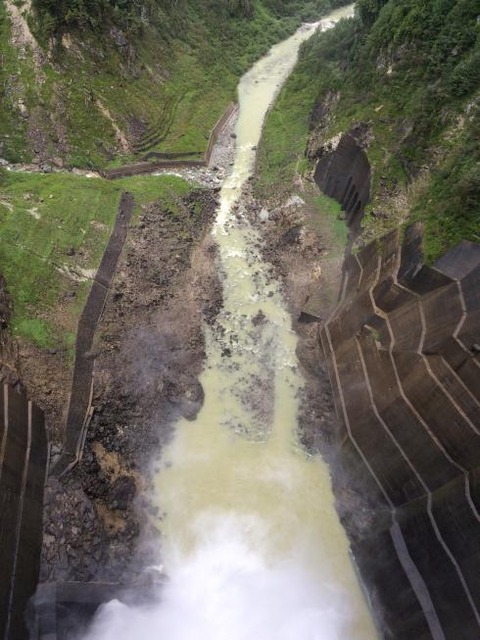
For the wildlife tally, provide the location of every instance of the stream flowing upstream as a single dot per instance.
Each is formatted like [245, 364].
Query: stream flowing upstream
[251, 543]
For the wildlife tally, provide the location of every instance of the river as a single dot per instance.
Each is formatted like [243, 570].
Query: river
[251, 543]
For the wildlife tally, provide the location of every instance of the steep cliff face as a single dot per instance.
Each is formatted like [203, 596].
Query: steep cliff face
[406, 72]
[409, 71]
[85, 83]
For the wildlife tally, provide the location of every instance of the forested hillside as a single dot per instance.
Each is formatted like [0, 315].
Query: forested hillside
[407, 72]
[90, 82]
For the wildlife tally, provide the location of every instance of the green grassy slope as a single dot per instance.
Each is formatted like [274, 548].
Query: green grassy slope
[107, 81]
[53, 231]
[410, 70]
[162, 84]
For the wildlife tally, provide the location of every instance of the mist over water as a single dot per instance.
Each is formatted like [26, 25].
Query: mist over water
[227, 591]
[251, 545]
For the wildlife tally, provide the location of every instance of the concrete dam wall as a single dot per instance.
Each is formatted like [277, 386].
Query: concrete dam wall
[403, 354]
[23, 462]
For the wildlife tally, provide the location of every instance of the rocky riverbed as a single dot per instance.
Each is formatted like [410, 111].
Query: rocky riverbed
[148, 353]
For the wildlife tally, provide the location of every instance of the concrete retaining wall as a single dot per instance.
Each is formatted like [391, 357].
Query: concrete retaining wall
[79, 406]
[344, 174]
[64, 611]
[23, 462]
[402, 349]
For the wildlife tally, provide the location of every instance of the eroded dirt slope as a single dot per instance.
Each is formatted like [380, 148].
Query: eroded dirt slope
[149, 352]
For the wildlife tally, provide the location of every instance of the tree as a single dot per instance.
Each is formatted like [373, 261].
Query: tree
[368, 10]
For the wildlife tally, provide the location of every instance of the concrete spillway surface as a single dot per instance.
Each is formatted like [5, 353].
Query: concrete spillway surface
[251, 543]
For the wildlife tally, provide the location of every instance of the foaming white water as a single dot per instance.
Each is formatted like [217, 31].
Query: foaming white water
[227, 591]
[251, 542]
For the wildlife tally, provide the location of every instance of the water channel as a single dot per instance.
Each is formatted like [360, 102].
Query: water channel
[251, 543]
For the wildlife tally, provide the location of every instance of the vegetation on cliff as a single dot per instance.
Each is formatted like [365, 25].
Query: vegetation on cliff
[410, 71]
[104, 81]
[99, 87]
[170, 17]
[53, 231]
[92, 82]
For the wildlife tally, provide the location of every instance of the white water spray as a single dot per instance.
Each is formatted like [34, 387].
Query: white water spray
[251, 543]
[226, 591]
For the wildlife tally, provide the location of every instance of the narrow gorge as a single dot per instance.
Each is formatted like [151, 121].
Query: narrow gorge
[271, 424]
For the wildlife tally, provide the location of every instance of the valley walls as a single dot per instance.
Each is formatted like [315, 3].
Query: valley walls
[403, 354]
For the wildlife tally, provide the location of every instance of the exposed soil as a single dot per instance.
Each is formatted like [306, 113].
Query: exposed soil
[148, 355]
[22, 37]
[121, 138]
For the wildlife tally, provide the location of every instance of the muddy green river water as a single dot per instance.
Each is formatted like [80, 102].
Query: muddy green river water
[234, 486]
[251, 543]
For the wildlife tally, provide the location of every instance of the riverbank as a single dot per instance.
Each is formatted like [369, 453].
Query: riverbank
[303, 242]
[166, 285]
[165, 288]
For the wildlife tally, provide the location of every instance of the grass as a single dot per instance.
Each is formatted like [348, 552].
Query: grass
[15, 79]
[56, 225]
[423, 112]
[281, 152]
[175, 79]
[332, 219]
[449, 205]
